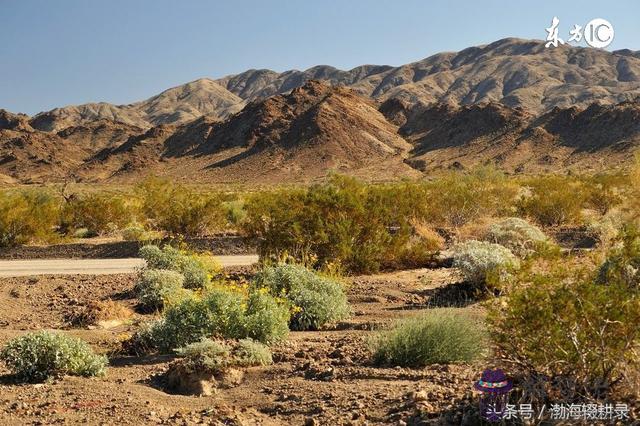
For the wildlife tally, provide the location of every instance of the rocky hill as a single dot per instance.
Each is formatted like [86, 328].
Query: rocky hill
[511, 71]
[512, 103]
[176, 105]
[298, 137]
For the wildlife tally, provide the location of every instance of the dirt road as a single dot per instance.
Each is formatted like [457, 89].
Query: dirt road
[18, 268]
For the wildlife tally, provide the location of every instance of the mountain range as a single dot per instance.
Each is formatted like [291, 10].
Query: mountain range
[513, 103]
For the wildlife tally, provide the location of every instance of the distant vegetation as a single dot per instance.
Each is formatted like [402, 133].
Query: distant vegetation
[342, 225]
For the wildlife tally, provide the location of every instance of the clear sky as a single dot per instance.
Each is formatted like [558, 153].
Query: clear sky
[56, 53]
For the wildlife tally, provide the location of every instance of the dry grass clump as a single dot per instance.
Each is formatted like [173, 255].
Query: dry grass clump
[98, 312]
[437, 337]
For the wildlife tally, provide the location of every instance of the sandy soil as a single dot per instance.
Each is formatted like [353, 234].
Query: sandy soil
[320, 377]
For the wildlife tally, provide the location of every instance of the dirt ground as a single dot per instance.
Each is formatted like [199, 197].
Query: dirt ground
[318, 378]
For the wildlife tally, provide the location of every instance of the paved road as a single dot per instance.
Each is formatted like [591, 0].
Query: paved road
[18, 268]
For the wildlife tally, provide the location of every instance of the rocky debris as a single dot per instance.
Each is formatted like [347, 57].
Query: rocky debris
[179, 379]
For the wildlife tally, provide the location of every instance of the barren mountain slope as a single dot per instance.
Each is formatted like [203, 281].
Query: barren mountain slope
[61, 118]
[582, 139]
[188, 102]
[295, 137]
[31, 155]
[511, 71]
[176, 105]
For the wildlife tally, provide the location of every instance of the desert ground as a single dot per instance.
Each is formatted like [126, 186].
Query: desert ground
[318, 377]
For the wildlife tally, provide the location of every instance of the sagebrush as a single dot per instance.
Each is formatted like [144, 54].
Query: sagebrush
[43, 354]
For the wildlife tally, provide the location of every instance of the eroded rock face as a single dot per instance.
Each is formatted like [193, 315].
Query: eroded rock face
[180, 379]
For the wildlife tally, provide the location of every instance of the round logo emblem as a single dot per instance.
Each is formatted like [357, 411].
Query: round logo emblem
[598, 33]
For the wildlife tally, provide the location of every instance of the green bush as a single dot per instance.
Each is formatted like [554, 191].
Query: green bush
[249, 352]
[477, 260]
[97, 212]
[158, 288]
[137, 232]
[236, 213]
[522, 238]
[179, 210]
[219, 313]
[27, 215]
[623, 261]
[213, 356]
[316, 300]
[438, 337]
[561, 324]
[554, 201]
[40, 355]
[455, 199]
[195, 271]
[339, 224]
[266, 318]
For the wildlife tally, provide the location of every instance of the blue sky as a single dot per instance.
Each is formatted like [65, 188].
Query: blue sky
[55, 53]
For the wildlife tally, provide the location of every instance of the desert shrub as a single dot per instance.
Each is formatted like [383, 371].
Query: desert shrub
[420, 248]
[316, 300]
[623, 261]
[196, 269]
[438, 337]
[342, 223]
[213, 356]
[43, 354]
[522, 238]
[235, 212]
[554, 201]
[157, 258]
[83, 233]
[158, 288]
[476, 260]
[137, 232]
[560, 324]
[607, 227]
[26, 216]
[97, 212]
[455, 199]
[603, 192]
[145, 340]
[267, 318]
[250, 352]
[205, 355]
[219, 313]
[179, 210]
